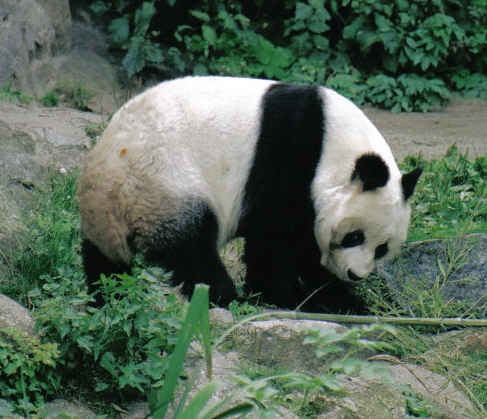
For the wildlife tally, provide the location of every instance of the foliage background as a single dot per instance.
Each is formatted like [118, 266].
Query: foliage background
[404, 55]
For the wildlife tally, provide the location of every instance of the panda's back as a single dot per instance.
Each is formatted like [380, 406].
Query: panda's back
[190, 137]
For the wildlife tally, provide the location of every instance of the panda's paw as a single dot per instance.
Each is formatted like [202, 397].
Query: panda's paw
[223, 294]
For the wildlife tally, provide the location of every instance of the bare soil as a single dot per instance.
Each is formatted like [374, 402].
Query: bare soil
[463, 122]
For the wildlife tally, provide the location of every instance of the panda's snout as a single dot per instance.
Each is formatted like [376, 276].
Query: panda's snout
[352, 276]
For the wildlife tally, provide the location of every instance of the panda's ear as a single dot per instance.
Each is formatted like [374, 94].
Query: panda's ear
[371, 170]
[409, 181]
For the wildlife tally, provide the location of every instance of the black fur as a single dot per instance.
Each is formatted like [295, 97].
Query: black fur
[372, 171]
[409, 181]
[187, 246]
[278, 214]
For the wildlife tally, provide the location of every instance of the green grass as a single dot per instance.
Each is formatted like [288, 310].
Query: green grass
[121, 346]
[50, 99]
[53, 242]
[9, 94]
[73, 94]
[94, 131]
[451, 198]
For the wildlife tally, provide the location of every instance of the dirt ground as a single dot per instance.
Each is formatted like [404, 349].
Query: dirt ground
[463, 122]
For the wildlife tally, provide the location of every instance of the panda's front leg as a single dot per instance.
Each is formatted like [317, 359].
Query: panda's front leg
[272, 271]
[205, 266]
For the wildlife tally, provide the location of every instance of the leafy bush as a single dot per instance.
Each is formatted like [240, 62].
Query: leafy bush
[470, 84]
[129, 31]
[344, 350]
[26, 370]
[122, 346]
[421, 50]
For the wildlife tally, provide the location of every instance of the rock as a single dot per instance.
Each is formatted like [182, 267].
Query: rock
[278, 344]
[444, 397]
[367, 398]
[270, 345]
[33, 143]
[35, 139]
[137, 410]
[12, 314]
[30, 31]
[86, 67]
[456, 266]
[60, 409]
[60, 15]
[36, 37]
[11, 226]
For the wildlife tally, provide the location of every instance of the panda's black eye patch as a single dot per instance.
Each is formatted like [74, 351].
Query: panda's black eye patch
[352, 239]
[381, 250]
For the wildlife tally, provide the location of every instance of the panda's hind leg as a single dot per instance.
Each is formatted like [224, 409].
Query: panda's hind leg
[187, 245]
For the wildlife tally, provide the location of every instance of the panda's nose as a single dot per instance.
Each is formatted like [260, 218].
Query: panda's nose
[352, 276]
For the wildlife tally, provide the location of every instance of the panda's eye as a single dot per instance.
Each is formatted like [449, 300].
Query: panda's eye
[352, 239]
[381, 251]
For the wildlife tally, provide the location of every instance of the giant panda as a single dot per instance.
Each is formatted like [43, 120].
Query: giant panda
[298, 171]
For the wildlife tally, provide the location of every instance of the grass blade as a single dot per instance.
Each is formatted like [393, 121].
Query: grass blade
[198, 402]
[197, 312]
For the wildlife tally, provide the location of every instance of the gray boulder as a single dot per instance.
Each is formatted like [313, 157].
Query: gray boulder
[34, 142]
[13, 315]
[278, 345]
[456, 268]
[43, 50]
[31, 31]
[85, 66]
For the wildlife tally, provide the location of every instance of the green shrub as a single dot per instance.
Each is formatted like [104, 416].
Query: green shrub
[472, 85]
[94, 131]
[26, 370]
[130, 32]
[50, 99]
[73, 94]
[121, 347]
[421, 50]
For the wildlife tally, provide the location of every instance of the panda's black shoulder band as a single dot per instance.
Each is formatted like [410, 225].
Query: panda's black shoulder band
[277, 194]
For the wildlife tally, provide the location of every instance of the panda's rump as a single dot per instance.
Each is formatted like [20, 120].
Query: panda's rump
[103, 220]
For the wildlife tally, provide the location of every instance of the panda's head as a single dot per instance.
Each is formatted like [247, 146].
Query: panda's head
[366, 219]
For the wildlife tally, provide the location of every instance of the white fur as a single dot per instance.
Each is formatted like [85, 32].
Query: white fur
[340, 204]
